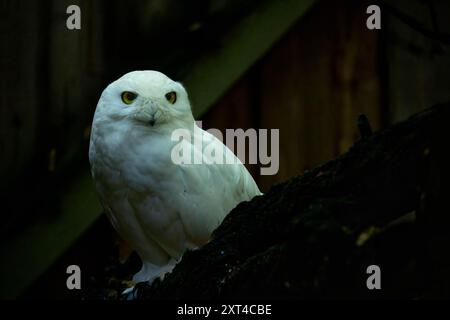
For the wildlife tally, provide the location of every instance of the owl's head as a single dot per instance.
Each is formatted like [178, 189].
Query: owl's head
[144, 98]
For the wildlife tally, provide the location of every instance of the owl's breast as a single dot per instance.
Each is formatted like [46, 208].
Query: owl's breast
[139, 163]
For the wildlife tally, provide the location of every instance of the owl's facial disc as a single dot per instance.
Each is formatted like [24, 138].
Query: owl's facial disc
[146, 98]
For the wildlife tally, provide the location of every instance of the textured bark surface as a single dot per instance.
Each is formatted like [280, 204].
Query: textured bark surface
[383, 202]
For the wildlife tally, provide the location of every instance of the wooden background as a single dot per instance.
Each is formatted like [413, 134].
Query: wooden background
[311, 86]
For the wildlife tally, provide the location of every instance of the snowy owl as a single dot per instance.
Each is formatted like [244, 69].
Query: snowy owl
[160, 207]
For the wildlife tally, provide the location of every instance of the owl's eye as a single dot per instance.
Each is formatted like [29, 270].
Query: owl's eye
[128, 97]
[171, 97]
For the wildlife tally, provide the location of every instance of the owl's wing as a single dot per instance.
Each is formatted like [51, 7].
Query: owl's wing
[236, 174]
[187, 202]
[213, 189]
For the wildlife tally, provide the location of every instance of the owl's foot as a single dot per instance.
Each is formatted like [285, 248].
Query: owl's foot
[149, 271]
[129, 293]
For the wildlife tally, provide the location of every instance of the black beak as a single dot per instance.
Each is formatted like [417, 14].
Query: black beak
[152, 122]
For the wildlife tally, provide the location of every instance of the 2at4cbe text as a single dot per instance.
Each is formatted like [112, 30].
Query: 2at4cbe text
[226, 309]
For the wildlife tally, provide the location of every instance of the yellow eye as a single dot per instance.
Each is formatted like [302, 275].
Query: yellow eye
[171, 97]
[128, 97]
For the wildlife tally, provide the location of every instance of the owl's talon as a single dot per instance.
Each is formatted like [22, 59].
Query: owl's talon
[129, 293]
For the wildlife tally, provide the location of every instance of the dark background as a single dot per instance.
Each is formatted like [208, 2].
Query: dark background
[311, 84]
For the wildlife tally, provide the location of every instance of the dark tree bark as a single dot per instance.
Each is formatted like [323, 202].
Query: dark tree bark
[383, 202]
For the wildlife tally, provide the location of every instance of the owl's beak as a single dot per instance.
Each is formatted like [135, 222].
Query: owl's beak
[147, 113]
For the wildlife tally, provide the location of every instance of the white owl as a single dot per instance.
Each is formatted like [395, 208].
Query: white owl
[159, 207]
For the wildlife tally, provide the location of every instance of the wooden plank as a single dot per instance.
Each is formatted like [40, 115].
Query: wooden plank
[18, 112]
[314, 84]
[215, 73]
[418, 67]
[61, 102]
